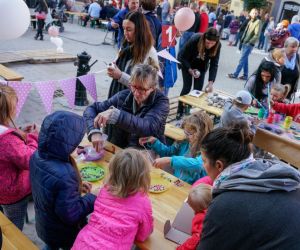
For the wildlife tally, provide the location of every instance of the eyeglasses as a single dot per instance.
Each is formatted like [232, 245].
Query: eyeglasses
[140, 90]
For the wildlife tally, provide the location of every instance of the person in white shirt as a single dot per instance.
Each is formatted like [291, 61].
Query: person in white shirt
[94, 12]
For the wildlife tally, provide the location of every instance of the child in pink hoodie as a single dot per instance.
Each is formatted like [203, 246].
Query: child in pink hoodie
[16, 148]
[122, 211]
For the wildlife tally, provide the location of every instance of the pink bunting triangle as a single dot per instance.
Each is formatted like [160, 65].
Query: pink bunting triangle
[22, 89]
[89, 83]
[166, 55]
[46, 90]
[68, 86]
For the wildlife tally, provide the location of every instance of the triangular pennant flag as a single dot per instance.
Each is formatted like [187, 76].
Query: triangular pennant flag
[22, 89]
[166, 55]
[46, 90]
[3, 82]
[68, 86]
[89, 83]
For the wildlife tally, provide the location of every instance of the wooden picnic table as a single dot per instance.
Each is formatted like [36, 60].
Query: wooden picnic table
[164, 205]
[12, 237]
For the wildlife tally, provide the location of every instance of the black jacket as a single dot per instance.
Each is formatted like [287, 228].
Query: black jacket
[189, 58]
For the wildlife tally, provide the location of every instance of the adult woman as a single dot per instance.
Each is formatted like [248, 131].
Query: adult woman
[291, 72]
[137, 112]
[208, 47]
[137, 48]
[41, 13]
[260, 81]
[256, 201]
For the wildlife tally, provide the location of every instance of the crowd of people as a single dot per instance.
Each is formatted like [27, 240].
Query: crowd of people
[238, 201]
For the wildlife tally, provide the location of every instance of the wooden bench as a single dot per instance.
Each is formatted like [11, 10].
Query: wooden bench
[9, 74]
[12, 237]
[174, 132]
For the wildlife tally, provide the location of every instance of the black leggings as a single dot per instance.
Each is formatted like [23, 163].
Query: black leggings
[187, 85]
[40, 25]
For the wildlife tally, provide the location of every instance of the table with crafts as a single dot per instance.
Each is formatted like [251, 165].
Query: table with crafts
[165, 205]
[285, 144]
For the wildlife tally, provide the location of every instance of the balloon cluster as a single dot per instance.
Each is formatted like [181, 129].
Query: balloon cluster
[14, 19]
[53, 33]
[184, 19]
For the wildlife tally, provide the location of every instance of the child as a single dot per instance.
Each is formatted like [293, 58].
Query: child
[199, 199]
[16, 147]
[279, 92]
[60, 209]
[234, 110]
[233, 27]
[122, 212]
[288, 109]
[184, 157]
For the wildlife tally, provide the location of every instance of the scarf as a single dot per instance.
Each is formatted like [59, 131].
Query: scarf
[290, 64]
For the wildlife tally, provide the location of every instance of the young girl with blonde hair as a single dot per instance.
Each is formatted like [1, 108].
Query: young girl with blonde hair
[184, 156]
[122, 211]
[279, 92]
[16, 148]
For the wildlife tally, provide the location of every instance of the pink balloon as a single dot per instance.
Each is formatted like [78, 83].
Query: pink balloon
[53, 31]
[184, 19]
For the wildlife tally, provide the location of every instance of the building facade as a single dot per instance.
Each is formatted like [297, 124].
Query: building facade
[285, 9]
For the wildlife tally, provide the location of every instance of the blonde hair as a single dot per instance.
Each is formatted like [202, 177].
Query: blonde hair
[283, 89]
[202, 124]
[129, 173]
[200, 197]
[7, 96]
[278, 53]
[145, 75]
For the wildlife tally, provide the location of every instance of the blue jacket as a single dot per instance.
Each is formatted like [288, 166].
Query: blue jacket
[185, 167]
[149, 120]
[118, 18]
[60, 210]
[294, 29]
[155, 26]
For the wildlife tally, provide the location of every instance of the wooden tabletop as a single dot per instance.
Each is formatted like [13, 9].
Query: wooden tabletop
[165, 205]
[13, 238]
[174, 132]
[76, 13]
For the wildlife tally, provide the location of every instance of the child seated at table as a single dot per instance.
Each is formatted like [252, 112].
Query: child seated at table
[199, 199]
[183, 156]
[60, 209]
[292, 110]
[279, 92]
[234, 111]
[16, 147]
[122, 212]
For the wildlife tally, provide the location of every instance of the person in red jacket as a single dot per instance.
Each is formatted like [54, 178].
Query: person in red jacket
[199, 199]
[203, 19]
[288, 109]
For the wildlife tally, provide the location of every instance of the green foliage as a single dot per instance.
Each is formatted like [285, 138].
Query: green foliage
[250, 4]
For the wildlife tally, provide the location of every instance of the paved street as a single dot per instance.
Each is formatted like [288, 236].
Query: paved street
[77, 39]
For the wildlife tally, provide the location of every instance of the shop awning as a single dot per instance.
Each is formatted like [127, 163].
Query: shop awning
[210, 1]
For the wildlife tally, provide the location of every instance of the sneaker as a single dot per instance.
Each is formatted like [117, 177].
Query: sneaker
[179, 116]
[233, 76]
[244, 78]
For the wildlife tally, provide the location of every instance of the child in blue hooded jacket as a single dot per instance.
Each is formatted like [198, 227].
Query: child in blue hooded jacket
[183, 156]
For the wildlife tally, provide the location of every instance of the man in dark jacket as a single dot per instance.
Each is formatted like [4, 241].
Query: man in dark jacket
[60, 210]
[139, 112]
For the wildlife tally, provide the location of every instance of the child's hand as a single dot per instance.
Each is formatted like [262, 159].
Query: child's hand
[272, 102]
[86, 187]
[149, 139]
[162, 162]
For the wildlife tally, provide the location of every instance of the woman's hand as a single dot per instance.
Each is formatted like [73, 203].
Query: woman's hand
[209, 87]
[86, 187]
[162, 162]
[114, 72]
[194, 73]
[102, 118]
[97, 142]
[149, 139]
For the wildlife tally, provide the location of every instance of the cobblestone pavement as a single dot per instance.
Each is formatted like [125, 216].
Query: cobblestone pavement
[77, 39]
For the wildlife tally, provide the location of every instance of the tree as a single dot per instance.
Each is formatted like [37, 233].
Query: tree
[258, 4]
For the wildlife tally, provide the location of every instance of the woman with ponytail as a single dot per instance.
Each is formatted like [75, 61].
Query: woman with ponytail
[16, 147]
[60, 209]
[255, 202]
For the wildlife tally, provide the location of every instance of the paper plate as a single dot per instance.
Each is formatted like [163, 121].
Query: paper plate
[91, 172]
[158, 184]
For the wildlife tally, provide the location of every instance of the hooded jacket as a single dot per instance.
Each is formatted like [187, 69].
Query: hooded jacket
[255, 206]
[294, 29]
[60, 210]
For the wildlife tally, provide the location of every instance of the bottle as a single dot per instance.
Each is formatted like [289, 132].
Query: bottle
[270, 118]
[287, 122]
[261, 113]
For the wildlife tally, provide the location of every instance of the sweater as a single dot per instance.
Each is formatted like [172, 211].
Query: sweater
[14, 165]
[186, 168]
[251, 33]
[116, 222]
[288, 109]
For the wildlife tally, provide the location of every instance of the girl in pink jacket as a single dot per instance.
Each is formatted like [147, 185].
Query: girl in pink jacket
[122, 211]
[16, 147]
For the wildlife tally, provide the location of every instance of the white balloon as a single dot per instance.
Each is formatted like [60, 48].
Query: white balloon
[14, 19]
[60, 50]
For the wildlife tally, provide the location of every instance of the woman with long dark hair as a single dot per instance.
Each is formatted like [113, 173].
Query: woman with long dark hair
[137, 48]
[199, 52]
[41, 13]
[260, 81]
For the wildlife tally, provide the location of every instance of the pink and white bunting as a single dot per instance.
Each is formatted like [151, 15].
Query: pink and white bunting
[22, 89]
[46, 90]
[89, 83]
[68, 86]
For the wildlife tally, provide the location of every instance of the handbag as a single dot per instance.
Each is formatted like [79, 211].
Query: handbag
[40, 15]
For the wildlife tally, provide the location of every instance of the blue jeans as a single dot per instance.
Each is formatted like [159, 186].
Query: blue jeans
[243, 63]
[267, 43]
[261, 41]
